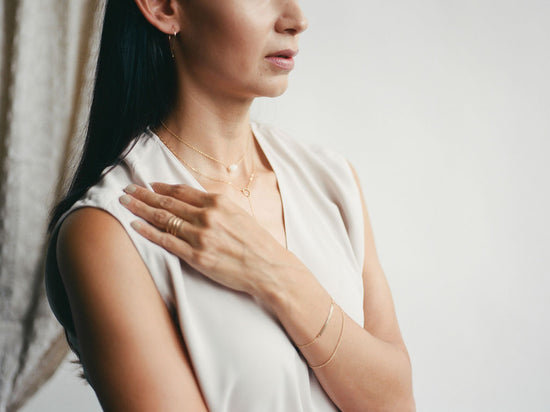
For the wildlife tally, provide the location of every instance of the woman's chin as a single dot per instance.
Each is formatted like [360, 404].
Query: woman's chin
[276, 89]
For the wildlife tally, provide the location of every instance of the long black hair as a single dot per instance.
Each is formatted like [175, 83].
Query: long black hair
[135, 87]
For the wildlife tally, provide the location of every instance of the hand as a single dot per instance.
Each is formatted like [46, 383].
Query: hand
[216, 236]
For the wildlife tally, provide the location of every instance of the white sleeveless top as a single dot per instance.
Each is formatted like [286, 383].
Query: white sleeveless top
[243, 359]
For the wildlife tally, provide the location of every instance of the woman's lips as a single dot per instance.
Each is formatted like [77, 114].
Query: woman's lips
[284, 63]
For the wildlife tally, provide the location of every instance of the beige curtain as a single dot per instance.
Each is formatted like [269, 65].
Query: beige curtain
[48, 50]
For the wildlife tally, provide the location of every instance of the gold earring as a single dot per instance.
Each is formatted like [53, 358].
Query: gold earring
[170, 37]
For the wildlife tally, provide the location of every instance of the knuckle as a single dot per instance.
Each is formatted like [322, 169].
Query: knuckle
[207, 217]
[202, 239]
[166, 202]
[215, 200]
[160, 216]
[177, 190]
[166, 241]
[203, 259]
[197, 257]
[202, 217]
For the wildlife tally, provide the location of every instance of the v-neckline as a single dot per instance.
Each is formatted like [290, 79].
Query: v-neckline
[258, 136]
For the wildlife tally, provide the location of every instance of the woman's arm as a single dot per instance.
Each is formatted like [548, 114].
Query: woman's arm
[130, 346]
[371, 370]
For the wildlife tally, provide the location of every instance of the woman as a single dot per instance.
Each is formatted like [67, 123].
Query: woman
[238, 271]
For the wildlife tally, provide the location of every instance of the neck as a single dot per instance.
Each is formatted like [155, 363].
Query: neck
[216, 125]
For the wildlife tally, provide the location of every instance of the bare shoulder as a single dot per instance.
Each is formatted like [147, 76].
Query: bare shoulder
[120, 319]
[96, 259]
[91, 239]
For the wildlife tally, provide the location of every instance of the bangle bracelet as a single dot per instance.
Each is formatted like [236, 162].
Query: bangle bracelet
[335, 348]
[324, 326]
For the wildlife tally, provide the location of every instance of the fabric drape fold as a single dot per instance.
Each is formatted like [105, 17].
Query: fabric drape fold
[48, 53]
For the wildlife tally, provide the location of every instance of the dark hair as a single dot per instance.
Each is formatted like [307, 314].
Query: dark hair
[135, 85]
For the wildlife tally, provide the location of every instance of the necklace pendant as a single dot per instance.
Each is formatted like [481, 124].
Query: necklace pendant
[232, 168]
[245, 191]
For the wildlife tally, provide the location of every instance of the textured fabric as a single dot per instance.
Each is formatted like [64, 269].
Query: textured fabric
[242, 356]
[47, 56]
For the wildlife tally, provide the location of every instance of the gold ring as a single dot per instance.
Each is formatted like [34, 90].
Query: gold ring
[174, 225]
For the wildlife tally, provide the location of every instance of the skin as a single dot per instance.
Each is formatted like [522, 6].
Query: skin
[220, 54]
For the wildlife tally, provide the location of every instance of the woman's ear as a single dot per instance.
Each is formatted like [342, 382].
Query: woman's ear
[165, 15]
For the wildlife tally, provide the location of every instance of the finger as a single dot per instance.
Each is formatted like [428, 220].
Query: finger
[158, 217]
[184, 193]
[177, 207]
[172, 244]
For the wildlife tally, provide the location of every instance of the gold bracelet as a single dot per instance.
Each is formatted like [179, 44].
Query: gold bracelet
[324, 326]
[335, 348]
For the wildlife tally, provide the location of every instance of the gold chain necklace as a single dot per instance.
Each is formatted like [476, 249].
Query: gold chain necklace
[245, 191]
[230, 168]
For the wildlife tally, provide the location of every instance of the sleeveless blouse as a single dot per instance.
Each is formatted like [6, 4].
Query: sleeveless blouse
[243, 359]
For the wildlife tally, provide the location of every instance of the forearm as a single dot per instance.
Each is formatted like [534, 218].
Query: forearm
[366, 373]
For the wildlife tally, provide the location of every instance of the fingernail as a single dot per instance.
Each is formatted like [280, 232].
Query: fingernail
[125, 199]
[130, 189]
[136, 224]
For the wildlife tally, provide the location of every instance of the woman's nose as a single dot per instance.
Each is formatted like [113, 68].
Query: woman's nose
[292, 18]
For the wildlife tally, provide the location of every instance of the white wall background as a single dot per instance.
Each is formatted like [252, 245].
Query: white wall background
[444, 109]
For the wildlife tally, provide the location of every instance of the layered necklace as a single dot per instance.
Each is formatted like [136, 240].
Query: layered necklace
[245, 191]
